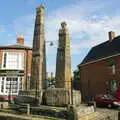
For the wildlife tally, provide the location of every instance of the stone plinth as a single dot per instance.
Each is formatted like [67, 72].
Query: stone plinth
[62, 96]
[28, 97]
[76, 97]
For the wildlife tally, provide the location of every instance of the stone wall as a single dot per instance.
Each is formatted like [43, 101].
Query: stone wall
[62, 96]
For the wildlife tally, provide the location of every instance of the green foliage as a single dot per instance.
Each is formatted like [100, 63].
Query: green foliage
[111, 62]
[76, 79]
[76, 75]
[50, 79]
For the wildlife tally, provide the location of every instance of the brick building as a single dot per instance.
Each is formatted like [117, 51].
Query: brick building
[100, 69]
[15, 67]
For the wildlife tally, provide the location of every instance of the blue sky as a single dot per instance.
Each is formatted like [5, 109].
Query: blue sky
[89, 22]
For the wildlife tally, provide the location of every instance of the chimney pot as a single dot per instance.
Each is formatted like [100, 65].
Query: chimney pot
[20, 40]
[111, 35]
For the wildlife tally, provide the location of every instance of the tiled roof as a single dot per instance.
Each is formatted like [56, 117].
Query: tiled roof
[106, 49]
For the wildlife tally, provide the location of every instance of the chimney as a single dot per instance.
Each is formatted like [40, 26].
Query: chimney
[20, 39]
[111, 35]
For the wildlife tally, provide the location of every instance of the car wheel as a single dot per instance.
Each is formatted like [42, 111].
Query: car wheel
[109, 106]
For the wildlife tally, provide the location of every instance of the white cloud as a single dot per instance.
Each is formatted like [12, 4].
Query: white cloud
[89, 22]
[88, 25]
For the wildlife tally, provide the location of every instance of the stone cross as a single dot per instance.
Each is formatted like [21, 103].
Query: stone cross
[38, 74]
[63, 64]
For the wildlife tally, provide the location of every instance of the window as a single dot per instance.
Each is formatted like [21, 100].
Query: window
[13, 60]
[113, 69]
[11, 85]
[20, 83]
[112, 86]
[2, 85]
[5, 58]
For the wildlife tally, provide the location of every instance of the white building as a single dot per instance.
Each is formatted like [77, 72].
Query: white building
[15, 68]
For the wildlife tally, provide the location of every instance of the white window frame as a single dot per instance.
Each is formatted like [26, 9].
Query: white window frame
[20, 62]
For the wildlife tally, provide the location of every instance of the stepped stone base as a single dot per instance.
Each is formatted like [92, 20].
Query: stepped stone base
[52, 96]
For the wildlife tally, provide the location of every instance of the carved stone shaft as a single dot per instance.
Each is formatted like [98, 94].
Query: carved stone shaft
[38, 75]
[63, 65]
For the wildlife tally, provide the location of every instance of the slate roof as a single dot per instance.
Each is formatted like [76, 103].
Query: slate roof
[16, 46]
[106, 49]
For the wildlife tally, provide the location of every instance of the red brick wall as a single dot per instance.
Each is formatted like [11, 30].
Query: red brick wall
[93, 77]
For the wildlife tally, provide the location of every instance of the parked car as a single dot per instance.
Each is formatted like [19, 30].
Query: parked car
[107, 101]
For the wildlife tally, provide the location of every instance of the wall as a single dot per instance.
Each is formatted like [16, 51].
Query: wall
[95, 76]
[27, 63]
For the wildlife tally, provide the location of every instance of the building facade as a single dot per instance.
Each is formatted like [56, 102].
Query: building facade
[15, 68]
[100, 69]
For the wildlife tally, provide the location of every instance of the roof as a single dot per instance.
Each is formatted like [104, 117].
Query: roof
[16, 46]
[103, 50]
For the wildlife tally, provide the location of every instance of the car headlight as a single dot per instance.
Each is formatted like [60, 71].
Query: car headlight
[116, 103]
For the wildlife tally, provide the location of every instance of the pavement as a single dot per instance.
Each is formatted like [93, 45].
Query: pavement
[11, 116]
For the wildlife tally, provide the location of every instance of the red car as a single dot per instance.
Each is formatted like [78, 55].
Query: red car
[107, 101]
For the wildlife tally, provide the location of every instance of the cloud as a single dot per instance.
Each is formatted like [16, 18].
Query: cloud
[89, 22]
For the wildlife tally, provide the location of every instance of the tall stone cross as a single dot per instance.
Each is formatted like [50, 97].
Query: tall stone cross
[38, 73]
[63, 64]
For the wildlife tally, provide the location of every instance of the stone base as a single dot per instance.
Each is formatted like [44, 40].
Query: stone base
[62, 97]
[52, 97]
[76, 97]
[28, 97]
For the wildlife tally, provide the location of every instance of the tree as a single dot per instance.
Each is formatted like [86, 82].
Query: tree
[76, 80]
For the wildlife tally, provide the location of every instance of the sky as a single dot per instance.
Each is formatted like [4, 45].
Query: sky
[89, 22]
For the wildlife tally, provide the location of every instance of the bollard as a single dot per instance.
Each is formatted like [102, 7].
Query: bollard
[28, 109]
[94, 104]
